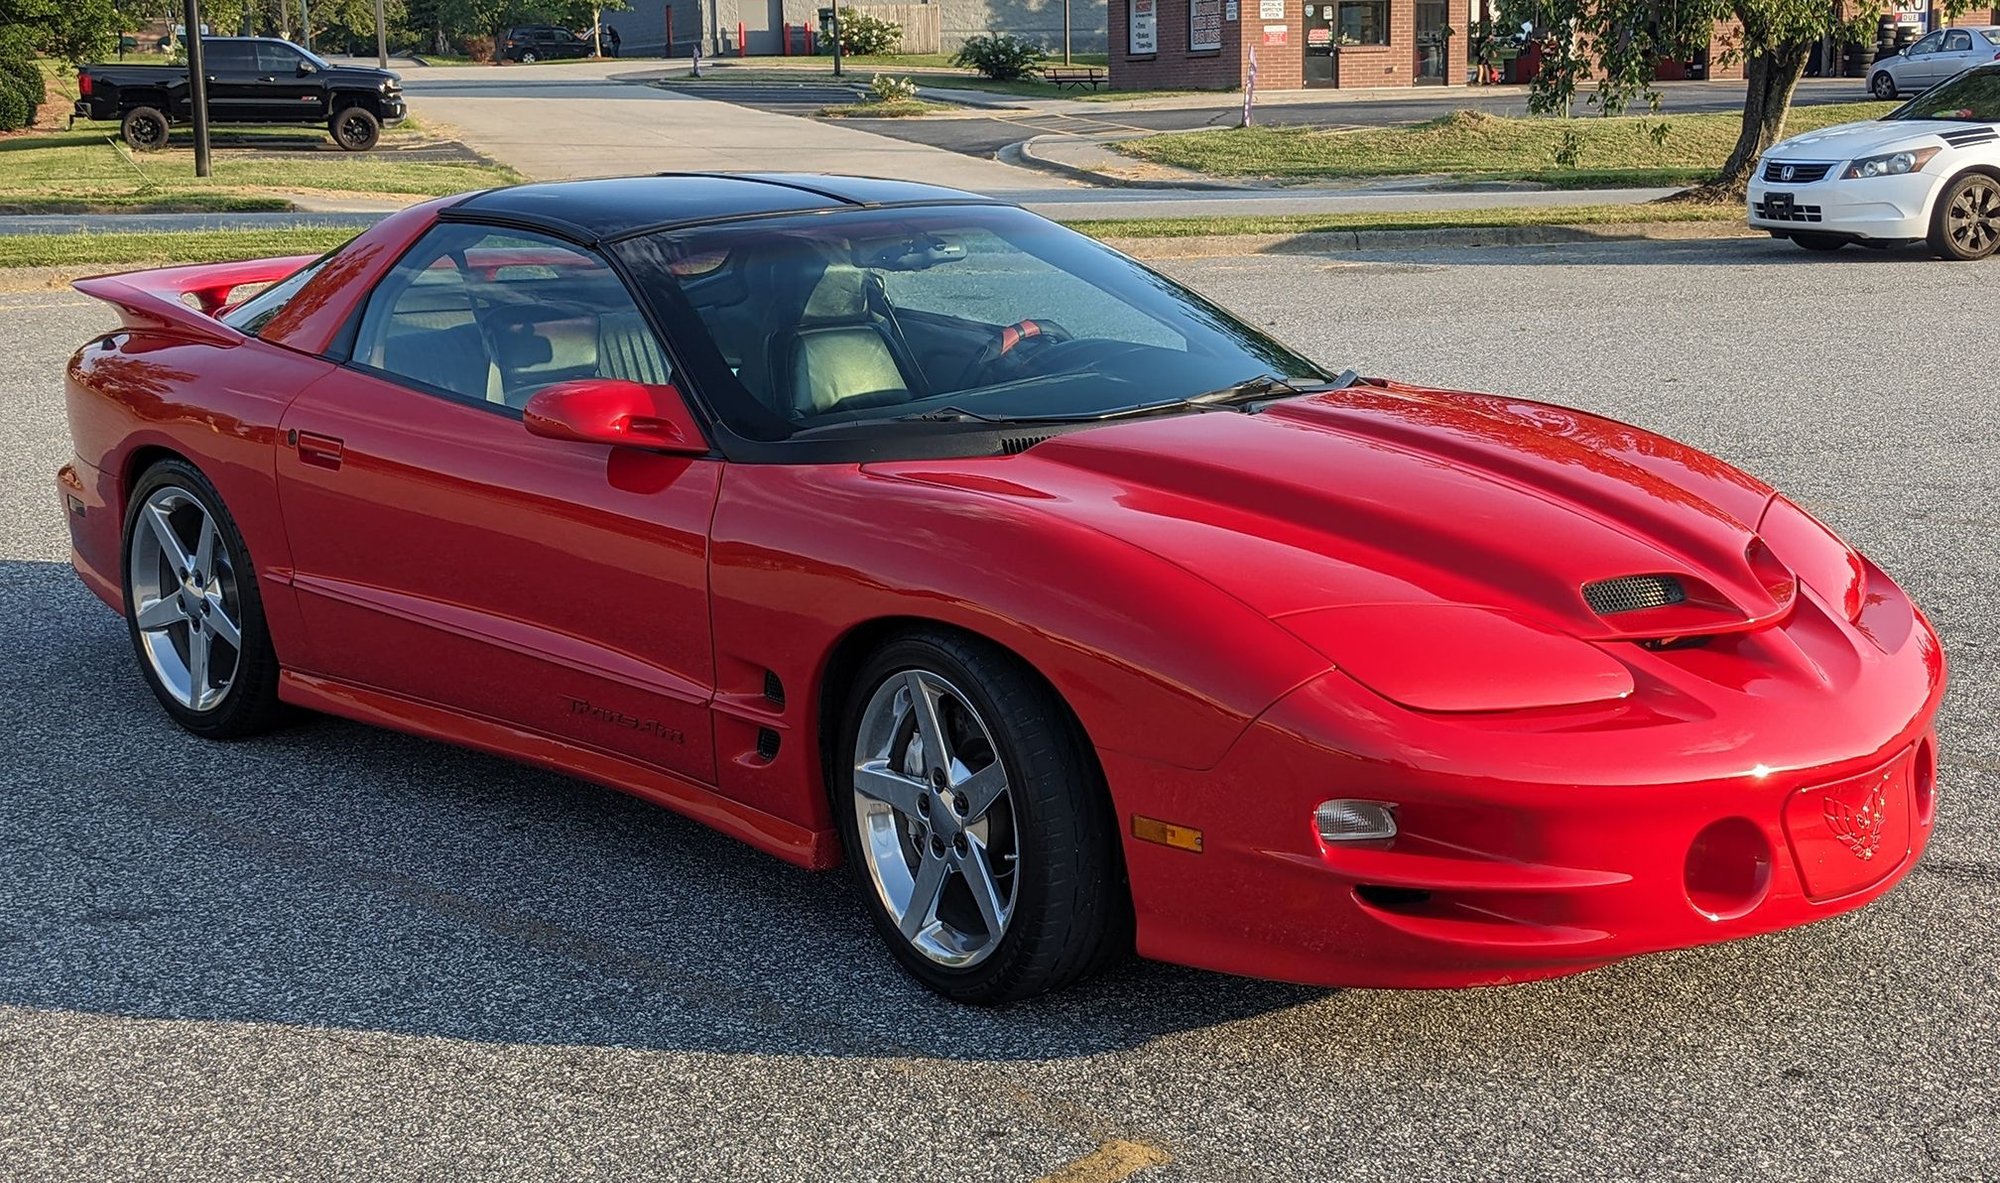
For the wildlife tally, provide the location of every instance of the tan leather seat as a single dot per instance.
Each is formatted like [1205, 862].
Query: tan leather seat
[840, 352]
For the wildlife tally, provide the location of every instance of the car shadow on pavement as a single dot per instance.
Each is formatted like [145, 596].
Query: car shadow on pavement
[338, 875]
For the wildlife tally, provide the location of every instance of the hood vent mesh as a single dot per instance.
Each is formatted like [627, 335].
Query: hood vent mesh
[1015, 445]
[1630, 593]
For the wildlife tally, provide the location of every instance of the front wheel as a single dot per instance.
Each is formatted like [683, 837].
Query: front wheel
[144, 129]
[355, 129]
[977, 823]
[1966, 225]
[1883, 85]
[1819, 242]
[192, 607]
[528, 58]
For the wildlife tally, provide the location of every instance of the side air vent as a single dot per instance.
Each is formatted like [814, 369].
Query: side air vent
[1015, 445]
[1971, 136]
[1630, 593]
[774, 690]
[767, 743]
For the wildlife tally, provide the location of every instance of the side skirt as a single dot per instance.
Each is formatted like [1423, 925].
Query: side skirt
[815, 850]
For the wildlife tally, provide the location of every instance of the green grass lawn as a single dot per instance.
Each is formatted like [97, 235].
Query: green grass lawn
[83, 169]
[160, 249]
[1611, 152]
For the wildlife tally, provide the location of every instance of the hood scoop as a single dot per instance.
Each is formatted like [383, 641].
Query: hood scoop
[1632, 593]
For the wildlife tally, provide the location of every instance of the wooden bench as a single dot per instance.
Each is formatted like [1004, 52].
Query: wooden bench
[1064, 76]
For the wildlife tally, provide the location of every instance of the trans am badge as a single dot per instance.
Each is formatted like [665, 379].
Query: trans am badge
[1859, 830]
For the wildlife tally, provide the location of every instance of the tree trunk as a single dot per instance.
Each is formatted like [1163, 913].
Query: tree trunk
[1769, 80]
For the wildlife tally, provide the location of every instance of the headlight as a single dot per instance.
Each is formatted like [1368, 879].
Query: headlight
[1893, 164]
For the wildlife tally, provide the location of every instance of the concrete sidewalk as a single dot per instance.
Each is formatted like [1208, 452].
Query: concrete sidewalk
[594, 120]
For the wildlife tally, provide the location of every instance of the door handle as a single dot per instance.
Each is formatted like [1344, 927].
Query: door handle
[321, 451]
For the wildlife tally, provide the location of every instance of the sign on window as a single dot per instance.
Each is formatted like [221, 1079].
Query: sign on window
[1204, 25]
[1144, 30]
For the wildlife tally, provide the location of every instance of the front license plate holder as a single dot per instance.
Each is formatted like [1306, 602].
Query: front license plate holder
[1778, 207]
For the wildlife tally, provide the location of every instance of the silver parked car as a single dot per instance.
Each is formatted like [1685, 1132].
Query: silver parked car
[1931, 60]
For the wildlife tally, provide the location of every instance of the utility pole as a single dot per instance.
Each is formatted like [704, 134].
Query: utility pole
[197, 85]
[305, 26]
[381, 38]
[1066, 32]
[836, 38]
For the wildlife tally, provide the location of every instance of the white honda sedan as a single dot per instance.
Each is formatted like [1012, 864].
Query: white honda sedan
[1927, 171]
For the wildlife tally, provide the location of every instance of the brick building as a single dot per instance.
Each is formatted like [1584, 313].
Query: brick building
[1297, 43]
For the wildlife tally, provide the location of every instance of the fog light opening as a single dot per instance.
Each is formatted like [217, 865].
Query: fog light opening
[1344, 820]
[1924, 782]
[1728, 869]
[1391, 897]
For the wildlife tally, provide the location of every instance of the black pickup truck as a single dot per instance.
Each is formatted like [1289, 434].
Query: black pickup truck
[250, 80]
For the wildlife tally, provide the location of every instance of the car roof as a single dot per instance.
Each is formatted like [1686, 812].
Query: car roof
[616, 207]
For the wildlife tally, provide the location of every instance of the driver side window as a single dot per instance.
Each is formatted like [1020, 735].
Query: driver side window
[1927, 45]
[493, 316]
[276, 59]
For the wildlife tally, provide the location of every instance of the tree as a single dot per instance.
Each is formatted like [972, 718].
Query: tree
[1621, 42]
[75, 30]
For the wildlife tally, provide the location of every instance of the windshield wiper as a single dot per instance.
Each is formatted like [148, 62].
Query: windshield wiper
[1249, 388]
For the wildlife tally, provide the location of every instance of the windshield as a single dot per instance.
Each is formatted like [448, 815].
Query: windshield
[1972, 97]
[815, 323]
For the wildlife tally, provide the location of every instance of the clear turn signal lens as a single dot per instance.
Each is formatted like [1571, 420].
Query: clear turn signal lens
[1342, 820]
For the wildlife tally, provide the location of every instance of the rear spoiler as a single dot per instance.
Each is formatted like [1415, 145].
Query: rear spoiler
[183, 301]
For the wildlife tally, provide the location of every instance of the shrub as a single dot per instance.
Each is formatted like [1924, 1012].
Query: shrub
[479, 49]
[862, 33]
[886, 89]
[14, 110]
[1000, 56]
[28, 79]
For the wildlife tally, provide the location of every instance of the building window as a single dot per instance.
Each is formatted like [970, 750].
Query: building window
[1204, 25]
[1362, 22]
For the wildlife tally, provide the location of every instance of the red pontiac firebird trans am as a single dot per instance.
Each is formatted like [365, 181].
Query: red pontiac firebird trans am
[878, 522]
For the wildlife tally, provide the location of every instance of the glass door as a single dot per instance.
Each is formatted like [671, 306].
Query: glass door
[1433, 41]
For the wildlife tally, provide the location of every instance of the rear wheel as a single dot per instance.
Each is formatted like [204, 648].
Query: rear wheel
[528, 57]
[1819, 242]
[355, 128]
[1966, 224]
[144, 129]
[977, 823]
[192, 607]
[1883, 85]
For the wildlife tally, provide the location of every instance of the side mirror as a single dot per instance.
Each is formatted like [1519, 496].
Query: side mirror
[615, 412]
[306, 68]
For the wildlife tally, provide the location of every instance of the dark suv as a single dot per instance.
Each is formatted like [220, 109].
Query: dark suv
[541, 43]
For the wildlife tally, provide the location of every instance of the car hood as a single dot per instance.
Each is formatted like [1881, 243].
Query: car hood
[1845, 141]
[367, 76]
[1382, 495]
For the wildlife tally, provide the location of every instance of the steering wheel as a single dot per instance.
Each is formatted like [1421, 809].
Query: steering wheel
[1007, 354]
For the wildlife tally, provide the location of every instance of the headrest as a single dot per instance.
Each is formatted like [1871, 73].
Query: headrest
[840, 296]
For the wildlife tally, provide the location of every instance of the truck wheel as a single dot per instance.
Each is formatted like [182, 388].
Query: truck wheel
[355, 128]
[144, 129]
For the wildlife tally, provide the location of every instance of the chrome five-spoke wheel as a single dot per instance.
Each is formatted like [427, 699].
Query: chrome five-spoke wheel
[192, 608]
[935, 818]
[976, 819]
[185, 601]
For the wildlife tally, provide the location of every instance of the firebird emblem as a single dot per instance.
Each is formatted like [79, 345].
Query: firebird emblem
[1859, 830]
[1787, 173]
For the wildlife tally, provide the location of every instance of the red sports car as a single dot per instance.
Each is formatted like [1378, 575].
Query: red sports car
[874, 521]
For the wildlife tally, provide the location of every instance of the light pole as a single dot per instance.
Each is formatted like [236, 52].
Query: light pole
[197, 85]
[1066, 32]
[381, 38]
[836, 38]
[305, 26]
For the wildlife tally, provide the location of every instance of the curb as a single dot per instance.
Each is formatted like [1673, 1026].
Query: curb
[1329, 242]
[1023, 154]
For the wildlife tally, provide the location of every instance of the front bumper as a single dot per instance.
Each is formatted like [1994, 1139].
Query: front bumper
[1533, 844]
[393, 108]
[1878, 209]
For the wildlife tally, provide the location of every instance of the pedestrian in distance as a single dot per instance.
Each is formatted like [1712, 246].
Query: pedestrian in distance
[611, 39]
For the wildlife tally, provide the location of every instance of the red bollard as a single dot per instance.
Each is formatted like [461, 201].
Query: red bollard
[785, 43]
[742, 40]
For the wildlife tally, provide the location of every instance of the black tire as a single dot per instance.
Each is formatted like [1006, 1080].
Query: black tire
[144, 129]
[355, 129]
[1966, 223]
[1819, 242]
[1072, 908]
[249, 706]
[1883, 86]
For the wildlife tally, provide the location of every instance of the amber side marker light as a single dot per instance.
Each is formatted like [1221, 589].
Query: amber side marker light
[1152, 829]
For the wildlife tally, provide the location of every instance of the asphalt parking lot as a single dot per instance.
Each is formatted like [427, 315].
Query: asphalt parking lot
[341, 953]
